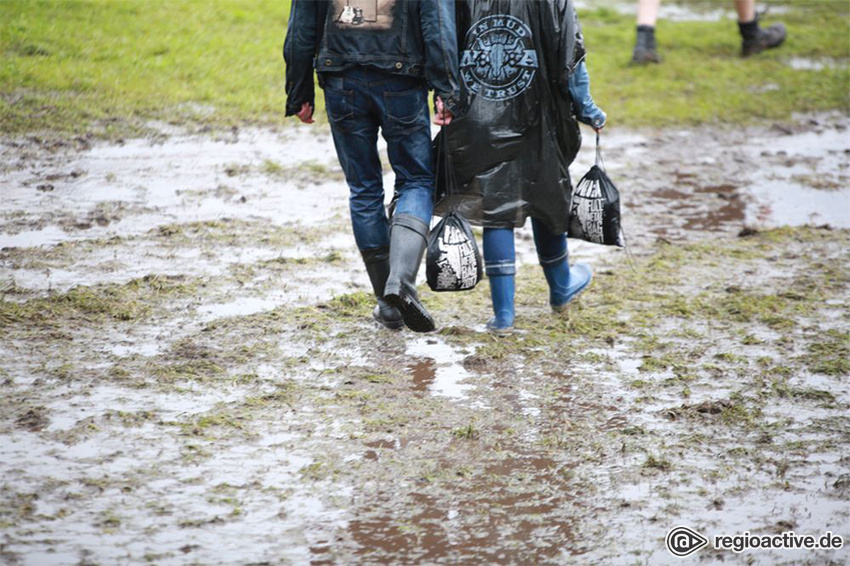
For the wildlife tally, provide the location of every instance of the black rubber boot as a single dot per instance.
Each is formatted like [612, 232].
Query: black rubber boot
[755, 40]
[645, 48]
[407, 246]
[377, 263]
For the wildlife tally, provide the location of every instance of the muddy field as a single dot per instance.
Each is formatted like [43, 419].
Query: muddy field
[190, 374]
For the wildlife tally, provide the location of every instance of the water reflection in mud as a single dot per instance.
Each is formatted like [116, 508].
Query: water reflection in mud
[440, 370]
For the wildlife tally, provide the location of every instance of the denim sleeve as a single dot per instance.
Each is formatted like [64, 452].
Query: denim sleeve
[579, 85]
[298, 51]
[439, 35]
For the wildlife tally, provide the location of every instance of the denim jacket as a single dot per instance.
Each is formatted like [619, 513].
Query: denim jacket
[409, 37]
[586, 110]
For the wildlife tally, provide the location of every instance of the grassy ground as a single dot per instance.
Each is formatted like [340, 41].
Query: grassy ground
[703, 78]
[70, 64]
[737, 398]
[108, 67]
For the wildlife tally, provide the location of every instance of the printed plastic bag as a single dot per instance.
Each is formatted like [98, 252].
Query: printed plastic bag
[453, 262]
[595, 207]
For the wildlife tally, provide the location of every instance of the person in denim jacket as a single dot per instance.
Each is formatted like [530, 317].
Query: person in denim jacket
[376, 61]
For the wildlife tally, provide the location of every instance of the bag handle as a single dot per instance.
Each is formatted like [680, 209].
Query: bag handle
[444, 167]
[599, 161]
[601, 164]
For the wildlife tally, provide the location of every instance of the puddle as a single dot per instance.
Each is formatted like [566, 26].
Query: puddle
[240, 307]
[184, 178]
[424, 373]
[440, 370]
[805, 64]
[784, 176]
[788, 195]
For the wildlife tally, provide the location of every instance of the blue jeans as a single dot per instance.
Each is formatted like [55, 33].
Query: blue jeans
[360, 100]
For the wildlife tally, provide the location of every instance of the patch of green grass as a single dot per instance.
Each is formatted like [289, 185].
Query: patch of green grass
[468, 432]
[306, 173]
[351, 305]
[703, 78]
[131, 301]
[829, 354]
[658, 463]
[233, 231]
[109, 67]
[194, 370]
[375, 376]
[69, 64]
[661, 363]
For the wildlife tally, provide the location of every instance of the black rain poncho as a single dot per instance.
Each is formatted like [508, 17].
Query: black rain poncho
[511, 148]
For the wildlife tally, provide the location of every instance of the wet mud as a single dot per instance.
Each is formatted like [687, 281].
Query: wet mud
[190, 373]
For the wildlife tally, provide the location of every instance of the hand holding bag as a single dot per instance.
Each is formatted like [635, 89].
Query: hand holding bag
[595, 207]
[453, 262]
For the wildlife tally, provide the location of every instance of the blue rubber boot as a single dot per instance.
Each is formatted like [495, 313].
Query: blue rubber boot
[500, 265]
[565, 283]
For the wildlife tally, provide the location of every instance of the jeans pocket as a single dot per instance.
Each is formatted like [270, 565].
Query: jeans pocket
[340, 107]
[406, 111]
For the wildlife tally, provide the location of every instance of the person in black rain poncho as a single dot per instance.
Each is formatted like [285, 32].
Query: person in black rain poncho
[525, 85]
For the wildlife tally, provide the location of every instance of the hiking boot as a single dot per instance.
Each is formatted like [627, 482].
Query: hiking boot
[645, 47]
[755, 39]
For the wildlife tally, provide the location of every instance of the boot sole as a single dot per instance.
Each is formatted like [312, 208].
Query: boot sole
[415, 316]
[761, 48]
[398, 325]
[501, 332]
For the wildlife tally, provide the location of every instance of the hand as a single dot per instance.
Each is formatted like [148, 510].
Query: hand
[600, 123]
[443, 117]
[306, 113]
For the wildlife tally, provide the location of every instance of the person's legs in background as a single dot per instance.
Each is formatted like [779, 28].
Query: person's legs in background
[500, 266]
[753, 38]
[645, 47]
[354, 128]
[565, 283]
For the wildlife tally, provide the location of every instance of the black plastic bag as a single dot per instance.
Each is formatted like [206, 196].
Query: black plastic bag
[453, 262]
[595, 207]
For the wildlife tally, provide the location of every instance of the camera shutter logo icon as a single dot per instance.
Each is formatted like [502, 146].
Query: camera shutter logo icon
[682, 541]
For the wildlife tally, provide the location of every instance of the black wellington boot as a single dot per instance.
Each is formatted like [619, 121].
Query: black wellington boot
[407, 246]
[377, 263]
[645, 47]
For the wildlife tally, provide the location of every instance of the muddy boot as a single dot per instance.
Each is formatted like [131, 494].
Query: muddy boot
[755, 40]
[378, 267]
[407, 246]
[645, 48]
[565, 282]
